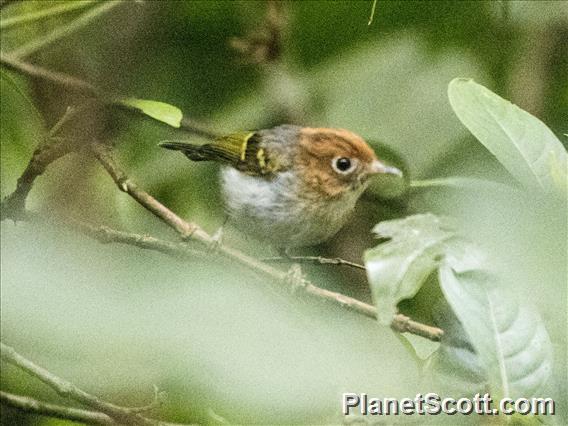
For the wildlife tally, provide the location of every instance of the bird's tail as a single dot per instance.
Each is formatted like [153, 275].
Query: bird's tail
[237, 149]
[194, 152]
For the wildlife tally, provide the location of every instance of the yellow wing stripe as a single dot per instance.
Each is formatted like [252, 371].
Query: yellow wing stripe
[261, 158]
[244, 146]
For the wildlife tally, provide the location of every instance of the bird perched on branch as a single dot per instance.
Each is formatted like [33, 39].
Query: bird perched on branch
[292, 186]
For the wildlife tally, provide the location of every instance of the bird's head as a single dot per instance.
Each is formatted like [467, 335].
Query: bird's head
[334, 162]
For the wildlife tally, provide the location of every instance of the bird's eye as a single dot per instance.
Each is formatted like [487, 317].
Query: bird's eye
[343, 165]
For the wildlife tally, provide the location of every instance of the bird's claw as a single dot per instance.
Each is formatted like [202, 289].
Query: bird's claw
[216, 241]
[295, 277]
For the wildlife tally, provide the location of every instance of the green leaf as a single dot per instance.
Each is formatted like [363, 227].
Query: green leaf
[510, 340]
[521, 142]
[397, 269]
[494, 340]
[5, 77]
[181, 329]
[454, 369]
[160, 111]
[21, 129]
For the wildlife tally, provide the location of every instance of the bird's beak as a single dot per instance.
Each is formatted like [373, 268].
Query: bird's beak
[378, 167]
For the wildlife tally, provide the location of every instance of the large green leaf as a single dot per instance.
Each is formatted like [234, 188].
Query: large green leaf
[499, 342]
[454, 368]
[509, 338]
[160, 111]
[521, 142]
[397, 269]
[207, 327]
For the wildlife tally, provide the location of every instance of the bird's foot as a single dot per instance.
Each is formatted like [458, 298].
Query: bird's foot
[216, 241]
[284, 253]
[295, 278]
[283, 257]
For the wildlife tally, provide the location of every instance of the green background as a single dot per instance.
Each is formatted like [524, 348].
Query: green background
[117, 320]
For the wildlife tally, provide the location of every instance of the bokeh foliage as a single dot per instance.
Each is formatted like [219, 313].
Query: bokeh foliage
[118, 320]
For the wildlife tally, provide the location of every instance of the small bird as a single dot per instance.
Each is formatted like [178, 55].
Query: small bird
[291, 186]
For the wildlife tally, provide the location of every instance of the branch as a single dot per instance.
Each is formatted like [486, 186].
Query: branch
[180, 250]
[13, 207]
[192, 231]
[48, 150]
[186, 230]
[107, 235]
[76, 84]
[117, 414]
[316, 259]
[62, 31]
[44, 13]
[55, 77]
[33, 406]
[372, 15]
[14, 204]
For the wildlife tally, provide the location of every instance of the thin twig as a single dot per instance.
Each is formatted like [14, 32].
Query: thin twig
[104, 154]
[315, 259]
[372, 15]
[58, 78]
[404, 324]
[69, 390]
[47, 12]
[189, 230]
[67, 116]
[50, 149]
[159, 399]
[15, 202]
[65, 30]
[73, 83]
[105, 411]
[107, 235]
[33, 406]
[192, 231]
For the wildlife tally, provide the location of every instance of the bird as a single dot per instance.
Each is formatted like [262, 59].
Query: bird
[291, 186]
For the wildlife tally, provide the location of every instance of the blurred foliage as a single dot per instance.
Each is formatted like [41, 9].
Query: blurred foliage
[117, 320]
